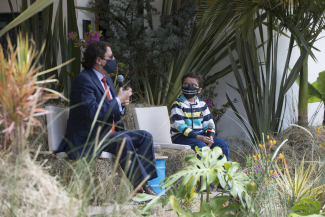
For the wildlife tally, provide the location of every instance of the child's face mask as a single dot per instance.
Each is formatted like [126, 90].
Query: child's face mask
[189, 91]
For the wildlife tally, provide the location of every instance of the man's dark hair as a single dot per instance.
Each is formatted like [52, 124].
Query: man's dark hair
[94, 49]
[195, 75]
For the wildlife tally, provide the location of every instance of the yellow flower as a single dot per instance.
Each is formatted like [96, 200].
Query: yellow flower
[320, 145]
[281, 156]
[271, 181]
[271, 141]
[274, 142]
[265, 181]
[318, 135]
[260, 145]
[263, 145]
[274, 173]
[198, 179]
[255, 156]
[318, 131]
[268, 137]
[271, 171]
[252, 184]
[321, 127]
[259, 156]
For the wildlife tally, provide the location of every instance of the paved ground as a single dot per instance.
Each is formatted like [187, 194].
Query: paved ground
[108, 210]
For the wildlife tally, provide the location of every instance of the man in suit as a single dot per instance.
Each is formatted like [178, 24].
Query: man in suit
[87, 91]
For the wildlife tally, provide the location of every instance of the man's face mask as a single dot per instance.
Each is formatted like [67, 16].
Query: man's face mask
[190, 91]
[110, 66]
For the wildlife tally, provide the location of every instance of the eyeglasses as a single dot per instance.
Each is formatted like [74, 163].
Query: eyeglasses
[192, 85]
[111, 57]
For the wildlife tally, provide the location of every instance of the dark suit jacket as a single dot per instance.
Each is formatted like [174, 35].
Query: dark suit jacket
[86, 94]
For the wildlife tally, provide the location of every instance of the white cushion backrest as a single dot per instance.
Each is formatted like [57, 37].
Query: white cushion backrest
[154, 120]
[56, 126]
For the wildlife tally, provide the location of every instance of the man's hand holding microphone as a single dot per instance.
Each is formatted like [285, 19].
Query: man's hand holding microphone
[123, 95]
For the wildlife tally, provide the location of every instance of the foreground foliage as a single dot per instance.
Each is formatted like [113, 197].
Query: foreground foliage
[211, 168]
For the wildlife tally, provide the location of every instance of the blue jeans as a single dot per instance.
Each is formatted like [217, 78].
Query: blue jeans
[181, 139]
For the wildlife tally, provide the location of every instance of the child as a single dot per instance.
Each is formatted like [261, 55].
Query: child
[191, 117]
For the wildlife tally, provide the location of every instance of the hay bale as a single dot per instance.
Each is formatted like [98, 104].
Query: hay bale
[175, 161]
[239, 148]
[109, 187]
[27, 190]
[300, 144]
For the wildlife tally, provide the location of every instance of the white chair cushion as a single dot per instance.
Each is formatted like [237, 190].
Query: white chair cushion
[155, 120]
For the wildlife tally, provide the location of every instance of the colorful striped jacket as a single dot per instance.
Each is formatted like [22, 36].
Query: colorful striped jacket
[190, 119]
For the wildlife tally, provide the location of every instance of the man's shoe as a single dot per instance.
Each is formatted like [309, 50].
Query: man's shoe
[148, 190]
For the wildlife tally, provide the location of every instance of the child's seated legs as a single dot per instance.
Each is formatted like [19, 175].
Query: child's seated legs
[181, 139]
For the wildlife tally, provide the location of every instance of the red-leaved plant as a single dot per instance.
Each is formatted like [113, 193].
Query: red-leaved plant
[21, 93]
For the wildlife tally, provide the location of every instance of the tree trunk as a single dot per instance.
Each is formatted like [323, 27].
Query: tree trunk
[303, 94]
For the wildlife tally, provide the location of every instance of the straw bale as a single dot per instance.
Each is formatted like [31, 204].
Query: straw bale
[300, 144]
[239, 148]
[175, 161]
[110, 187]
[28, 190]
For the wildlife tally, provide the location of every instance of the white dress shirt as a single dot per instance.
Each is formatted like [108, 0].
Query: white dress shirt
[100, 77]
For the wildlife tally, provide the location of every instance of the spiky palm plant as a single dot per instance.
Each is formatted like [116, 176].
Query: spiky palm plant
[21, 93]
[258, 25]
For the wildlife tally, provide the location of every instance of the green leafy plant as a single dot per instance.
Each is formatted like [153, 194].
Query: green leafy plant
[316, 90]
[211, 168]
[309, 207]
[258, 26]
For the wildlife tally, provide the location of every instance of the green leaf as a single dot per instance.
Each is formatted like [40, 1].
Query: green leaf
[154, 200]
[217, 202]
[321, 83]
[315, 204]
[176, 207]
[227, 166]
[205, 207]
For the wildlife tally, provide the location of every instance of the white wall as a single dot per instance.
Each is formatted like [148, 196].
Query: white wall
[84, 15]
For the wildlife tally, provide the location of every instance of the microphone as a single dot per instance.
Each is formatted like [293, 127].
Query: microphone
[210, 128]
[120, 80]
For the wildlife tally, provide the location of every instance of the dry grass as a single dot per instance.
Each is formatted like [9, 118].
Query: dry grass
[27, 190]
[104, 186]
[240, 147]
[300, 145]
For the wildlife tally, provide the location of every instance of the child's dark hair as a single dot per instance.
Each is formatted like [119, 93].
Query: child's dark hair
[195, 75]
